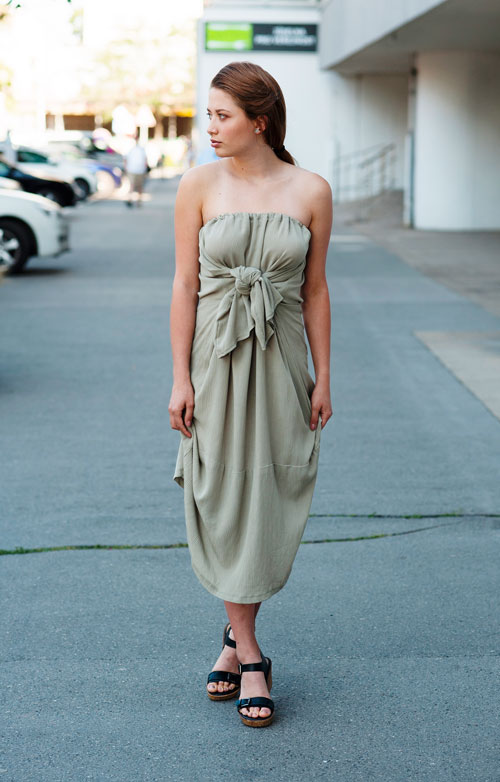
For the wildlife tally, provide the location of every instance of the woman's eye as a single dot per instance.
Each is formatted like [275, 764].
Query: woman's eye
[222, 116]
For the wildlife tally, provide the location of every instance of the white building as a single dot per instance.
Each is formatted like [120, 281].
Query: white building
[398, 95]
[305, 86]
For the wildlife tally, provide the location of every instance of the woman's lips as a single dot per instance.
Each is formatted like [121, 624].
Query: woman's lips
[215, 143]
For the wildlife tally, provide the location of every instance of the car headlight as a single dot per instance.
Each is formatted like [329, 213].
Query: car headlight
[48, 209]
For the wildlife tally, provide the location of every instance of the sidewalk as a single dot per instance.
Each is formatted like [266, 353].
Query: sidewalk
[465, 262]
[468, 262]
[384, 641]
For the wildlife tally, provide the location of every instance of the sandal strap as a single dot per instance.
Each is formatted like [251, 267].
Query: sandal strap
[248, 703]
[224, 676]
[262, 666]
[227, 640]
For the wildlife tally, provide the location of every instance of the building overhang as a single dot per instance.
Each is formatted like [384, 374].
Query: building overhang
[383, 37]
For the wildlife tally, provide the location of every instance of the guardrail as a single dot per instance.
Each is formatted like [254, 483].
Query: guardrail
[365, 173]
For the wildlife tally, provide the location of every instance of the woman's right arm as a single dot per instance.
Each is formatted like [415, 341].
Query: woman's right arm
[188, 221]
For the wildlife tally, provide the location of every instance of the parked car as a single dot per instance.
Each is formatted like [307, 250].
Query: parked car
[9, 184]
[55, 189]
[108, 174]
[30, 225]
[39, 163]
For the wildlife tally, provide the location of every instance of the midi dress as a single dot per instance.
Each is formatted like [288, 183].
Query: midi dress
[249, 469]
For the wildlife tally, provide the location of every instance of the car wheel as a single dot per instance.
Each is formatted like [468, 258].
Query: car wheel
[15, 244]
[52, 195]
[84, 188]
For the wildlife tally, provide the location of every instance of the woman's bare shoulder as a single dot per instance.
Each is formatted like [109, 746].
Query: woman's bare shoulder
[315, 194]
[194, 185]
[197, 176]
[313, 184]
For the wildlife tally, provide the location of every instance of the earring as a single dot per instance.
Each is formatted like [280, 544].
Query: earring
[256, 130]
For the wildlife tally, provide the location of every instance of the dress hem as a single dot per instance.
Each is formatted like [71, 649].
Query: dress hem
[242, 600]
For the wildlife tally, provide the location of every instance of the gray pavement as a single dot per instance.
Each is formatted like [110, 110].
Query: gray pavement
[467, 262]
[385, 640]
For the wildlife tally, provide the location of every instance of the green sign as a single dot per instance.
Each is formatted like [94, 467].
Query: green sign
[260, 36]
[223, 37]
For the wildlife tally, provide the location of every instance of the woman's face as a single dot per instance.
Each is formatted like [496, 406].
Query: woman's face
[230, 130]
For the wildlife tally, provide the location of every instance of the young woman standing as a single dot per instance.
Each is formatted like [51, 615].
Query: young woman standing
[252, 232]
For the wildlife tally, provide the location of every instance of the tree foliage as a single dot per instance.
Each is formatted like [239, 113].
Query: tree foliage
[135, 70]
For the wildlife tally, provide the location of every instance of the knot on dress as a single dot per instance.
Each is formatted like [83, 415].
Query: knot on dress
[248, 306]
[246, 276]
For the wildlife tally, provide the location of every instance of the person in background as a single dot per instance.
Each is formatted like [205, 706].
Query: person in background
[136, 167]
[8, 152]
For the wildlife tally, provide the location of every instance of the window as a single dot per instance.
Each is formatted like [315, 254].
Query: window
[28, 156]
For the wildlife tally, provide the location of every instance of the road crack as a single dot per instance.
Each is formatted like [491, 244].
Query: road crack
[181, 545]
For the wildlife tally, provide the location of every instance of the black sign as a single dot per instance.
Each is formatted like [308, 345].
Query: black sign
[285, 37]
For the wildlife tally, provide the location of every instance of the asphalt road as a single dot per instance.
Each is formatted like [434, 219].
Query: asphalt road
[385, 641]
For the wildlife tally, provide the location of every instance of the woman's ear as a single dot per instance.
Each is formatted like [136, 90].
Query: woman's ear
[261, 124]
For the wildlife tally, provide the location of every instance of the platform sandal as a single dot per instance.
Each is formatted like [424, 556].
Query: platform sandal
[263, 703]
[225, 676]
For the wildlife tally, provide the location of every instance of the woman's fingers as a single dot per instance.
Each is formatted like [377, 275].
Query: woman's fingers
[178, 420]
[181, 426]
[188, 415]
[320, 410]
[315, 411]
[326, 414]
[181, 408]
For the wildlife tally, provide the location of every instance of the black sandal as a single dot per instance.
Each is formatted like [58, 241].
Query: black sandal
[225, 676]
[264, 703]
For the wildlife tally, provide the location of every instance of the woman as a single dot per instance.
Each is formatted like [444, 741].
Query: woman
[252, 232]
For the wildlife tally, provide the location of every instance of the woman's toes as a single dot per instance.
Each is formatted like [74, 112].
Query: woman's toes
[256, 712]
[212, 687]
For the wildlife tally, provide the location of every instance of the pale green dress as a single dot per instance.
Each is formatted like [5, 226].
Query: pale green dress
[249, 470]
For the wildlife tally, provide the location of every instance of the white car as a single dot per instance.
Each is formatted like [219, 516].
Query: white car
[30, 225]
[38, 163]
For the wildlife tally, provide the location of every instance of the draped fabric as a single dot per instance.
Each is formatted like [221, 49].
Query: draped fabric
[249, 305]
[249, 470]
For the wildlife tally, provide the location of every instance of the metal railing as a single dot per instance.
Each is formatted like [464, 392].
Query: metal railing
[365, 173]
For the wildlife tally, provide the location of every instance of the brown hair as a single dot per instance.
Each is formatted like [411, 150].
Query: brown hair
[259, 95]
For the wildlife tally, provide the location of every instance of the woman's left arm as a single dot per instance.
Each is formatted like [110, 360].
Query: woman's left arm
[316, 300]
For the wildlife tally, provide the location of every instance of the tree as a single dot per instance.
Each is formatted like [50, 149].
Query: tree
[159, 72]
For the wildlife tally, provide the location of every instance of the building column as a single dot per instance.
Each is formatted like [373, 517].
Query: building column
[457, 141]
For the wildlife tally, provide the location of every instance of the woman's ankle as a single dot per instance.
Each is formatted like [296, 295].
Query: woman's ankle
[249, 653]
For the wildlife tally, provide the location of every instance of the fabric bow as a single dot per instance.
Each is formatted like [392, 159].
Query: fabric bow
[249, 305]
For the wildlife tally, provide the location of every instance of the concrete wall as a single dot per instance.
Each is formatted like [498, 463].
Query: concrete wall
[457, 141]
[367, 111]
[306, 88]
[350, 25]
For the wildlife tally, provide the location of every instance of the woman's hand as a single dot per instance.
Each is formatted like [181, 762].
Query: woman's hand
[181, 407]
[321, 405]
